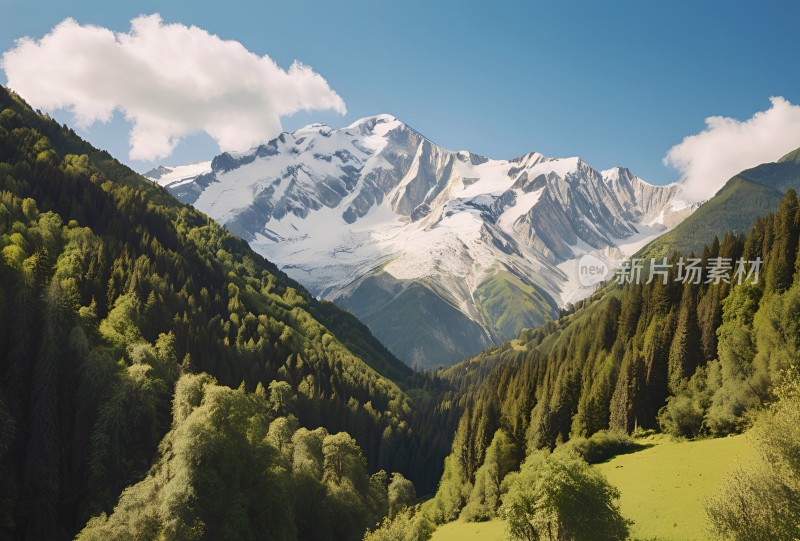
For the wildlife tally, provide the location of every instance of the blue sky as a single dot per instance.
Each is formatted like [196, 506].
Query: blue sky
[617, 83]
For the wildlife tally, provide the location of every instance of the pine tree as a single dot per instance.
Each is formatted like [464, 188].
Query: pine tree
[685, 353]
[40, 475]
[784, 249]
[485, 496]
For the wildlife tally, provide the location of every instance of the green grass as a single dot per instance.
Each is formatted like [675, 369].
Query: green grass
[507, 305]
[663, 487]
[494, 530]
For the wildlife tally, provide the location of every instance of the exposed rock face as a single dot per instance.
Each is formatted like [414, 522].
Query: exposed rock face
[441, 253]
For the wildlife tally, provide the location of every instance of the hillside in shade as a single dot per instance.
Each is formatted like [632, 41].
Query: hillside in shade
[114, 296]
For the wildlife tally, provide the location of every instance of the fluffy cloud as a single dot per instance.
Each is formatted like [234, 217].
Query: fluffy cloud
[169, 80]
[728, 146]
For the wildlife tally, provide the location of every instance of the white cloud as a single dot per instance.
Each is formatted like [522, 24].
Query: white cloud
[727, 146]
[170, 81]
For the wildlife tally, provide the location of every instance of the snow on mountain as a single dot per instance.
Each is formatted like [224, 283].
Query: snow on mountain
[441, 253]
[172, 177]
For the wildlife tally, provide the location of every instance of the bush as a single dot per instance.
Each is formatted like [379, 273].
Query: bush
[681, 417]
[409, 525]
[762, 501]
[601, 446]
[559, 495]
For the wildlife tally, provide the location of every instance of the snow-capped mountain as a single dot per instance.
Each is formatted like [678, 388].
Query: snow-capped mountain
[440, 253]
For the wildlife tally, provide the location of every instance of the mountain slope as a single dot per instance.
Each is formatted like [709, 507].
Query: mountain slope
[690, 359]
[110, 291]
[389, 225]
[734, 207]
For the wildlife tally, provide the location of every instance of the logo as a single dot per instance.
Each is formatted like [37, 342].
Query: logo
[591, 270]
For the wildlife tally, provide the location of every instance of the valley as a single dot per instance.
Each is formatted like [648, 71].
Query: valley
[214, 394]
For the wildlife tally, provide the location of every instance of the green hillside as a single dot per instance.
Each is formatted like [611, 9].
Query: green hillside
[691, 360]
[745, 197]
[112, 296]
[443, 335]
[664, 487]
[393, 308]
[508, 305]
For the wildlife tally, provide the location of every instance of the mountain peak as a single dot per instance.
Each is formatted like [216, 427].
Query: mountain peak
[370, 123]
[331, 206]
[529, 158]
[314, 128]
[616, 172]
[561, 166]
[374, 119]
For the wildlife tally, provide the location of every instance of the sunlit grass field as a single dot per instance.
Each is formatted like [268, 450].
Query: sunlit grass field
[494, 530]
[663, 488]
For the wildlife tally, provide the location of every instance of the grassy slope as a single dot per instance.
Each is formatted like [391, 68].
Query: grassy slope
[748, 195]
[734, 208]
[508, 305]
[395, 310]
[663, 487]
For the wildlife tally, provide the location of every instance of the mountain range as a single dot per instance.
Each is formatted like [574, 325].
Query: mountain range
[442, 254]
[160, 379]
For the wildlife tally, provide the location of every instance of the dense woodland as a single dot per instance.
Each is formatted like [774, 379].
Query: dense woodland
[162, 381]
[111, 292]
[688, 359]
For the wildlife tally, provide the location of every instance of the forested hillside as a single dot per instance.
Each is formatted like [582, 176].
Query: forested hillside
[161, 380]
[687, 358]
[112, 294]
[744, 198]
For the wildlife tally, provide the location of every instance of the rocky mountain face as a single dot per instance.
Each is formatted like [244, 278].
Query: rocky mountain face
[440, 253]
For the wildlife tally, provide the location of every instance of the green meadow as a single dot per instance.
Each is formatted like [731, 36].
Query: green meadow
[663, 488]
[494, 530]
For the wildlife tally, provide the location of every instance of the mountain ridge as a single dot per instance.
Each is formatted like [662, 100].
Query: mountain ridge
[735, 207]
[364, 212]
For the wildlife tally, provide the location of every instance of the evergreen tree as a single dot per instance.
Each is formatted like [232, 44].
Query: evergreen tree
[484, 499]
[40, 475]
[783, 252]
[684, 353]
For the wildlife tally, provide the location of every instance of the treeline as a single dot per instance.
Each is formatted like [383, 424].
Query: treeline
[687, 358]
[110, 290]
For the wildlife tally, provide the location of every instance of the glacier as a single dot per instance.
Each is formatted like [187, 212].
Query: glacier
[441, 253]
